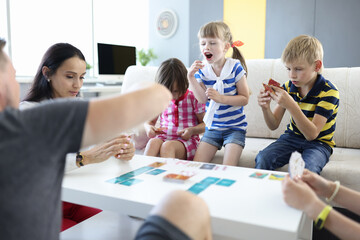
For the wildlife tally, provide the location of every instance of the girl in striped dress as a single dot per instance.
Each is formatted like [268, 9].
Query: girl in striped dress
[220, 82]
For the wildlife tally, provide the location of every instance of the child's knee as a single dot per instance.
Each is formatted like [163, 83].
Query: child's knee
[154, 142]
[316, 168]
[167, 147]
[262, 160]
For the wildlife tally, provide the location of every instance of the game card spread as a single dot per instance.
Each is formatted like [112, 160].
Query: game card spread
[129, 175]
[210, 180]
[296, 165]
[207, 182]
[225, 182]
[157, 164]
[198, 188]
[207, 166]
[156, 171]
[178, 177]
[278, 177]
[258, 175]
[131, 181]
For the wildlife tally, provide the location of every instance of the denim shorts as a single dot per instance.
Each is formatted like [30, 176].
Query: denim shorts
[221, 138]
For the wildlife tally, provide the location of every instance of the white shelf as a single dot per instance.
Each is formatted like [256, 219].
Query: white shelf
[101, 89]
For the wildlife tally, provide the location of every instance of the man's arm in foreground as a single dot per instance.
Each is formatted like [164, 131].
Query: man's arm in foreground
[108, 117]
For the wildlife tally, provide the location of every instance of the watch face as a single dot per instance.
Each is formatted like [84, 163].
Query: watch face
[166, 23]
[79, 157]
[318, 224]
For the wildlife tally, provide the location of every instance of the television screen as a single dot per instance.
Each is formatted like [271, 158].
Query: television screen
[115, 59]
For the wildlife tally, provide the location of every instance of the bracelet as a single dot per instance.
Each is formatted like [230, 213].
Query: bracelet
[337, 183]
[79, 159]
[320, 220]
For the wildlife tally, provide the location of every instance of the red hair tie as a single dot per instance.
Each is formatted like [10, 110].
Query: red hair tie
[237, 44]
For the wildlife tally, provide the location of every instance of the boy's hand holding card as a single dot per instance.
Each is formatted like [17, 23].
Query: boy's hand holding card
[296, 165]
[271, 82]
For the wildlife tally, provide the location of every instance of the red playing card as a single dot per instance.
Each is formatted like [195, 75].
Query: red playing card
[271, 82]
[267, 88]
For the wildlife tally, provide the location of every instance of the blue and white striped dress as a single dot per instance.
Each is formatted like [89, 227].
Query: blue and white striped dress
[226, 116]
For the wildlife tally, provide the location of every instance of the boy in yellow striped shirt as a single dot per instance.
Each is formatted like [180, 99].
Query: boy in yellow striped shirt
[312, 102]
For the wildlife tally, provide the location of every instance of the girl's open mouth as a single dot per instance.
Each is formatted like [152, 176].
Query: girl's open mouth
[208, 56]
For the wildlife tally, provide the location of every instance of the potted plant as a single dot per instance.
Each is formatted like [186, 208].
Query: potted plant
[88, 67]
[145, 57]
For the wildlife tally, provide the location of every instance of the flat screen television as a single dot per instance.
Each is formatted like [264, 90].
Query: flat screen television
[113, 60]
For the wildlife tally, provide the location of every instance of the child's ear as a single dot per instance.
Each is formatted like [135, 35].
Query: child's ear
[318, 65]
[227, 46]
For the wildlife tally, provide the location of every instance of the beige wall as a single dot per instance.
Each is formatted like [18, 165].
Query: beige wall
[246, 20]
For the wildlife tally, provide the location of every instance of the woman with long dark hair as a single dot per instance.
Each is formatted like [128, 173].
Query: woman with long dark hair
[60, 75]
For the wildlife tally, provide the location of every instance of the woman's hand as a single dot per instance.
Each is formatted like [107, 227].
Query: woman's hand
[299, 195]
[321, 186]
[120, 147]
[128, 151]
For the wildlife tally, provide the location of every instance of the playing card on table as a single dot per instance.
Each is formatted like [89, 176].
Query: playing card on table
[296, 165]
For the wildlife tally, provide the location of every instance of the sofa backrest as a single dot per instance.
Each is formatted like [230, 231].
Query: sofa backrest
[347, 80]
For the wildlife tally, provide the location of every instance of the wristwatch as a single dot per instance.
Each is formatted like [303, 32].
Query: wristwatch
[320, 221]
[79, 159]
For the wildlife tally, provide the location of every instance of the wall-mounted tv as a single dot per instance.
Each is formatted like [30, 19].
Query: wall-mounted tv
[115, 59]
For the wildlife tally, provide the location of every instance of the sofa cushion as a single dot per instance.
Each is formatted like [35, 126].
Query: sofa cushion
[344, 164]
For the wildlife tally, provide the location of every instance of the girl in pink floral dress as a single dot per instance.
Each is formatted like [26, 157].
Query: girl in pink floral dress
[182, 122]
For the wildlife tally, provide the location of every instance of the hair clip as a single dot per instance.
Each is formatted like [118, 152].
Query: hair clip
[237, 44]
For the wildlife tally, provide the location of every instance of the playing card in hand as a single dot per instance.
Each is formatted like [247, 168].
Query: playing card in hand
[296, 165]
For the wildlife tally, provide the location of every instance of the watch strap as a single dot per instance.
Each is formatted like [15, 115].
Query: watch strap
[320, 221]
[80, 159]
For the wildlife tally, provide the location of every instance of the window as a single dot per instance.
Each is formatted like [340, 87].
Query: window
[121, 22]
[3, 22]
[37, 24]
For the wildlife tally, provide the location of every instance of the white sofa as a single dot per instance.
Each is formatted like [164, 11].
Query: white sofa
[344, 164]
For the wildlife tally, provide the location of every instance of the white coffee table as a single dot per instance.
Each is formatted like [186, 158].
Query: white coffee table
[249, 209]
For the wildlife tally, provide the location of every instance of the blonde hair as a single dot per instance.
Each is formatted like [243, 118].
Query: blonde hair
[303, 47]
[222, 31]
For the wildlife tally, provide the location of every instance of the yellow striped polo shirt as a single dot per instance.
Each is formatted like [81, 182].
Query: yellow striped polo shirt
[322, 99]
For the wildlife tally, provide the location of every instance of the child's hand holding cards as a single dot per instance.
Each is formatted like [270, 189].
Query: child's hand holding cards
[296, 165]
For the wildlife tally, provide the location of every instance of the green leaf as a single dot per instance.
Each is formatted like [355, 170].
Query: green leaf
[145, 57]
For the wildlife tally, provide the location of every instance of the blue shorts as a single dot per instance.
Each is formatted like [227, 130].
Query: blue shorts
[158, 228]
[221, 138]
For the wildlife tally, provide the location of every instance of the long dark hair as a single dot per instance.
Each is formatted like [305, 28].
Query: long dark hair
[53, 59]
[170, 71]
